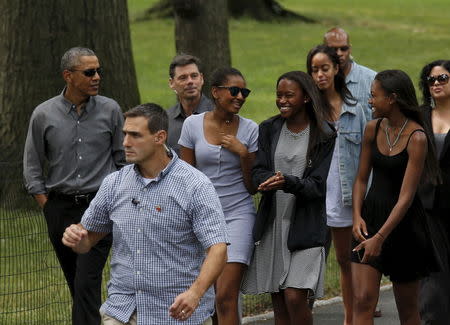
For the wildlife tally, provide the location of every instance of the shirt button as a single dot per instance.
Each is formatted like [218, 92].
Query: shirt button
[139, 291]
[138, 272]
[138, 251]
[79, 175]
[78, 122]
[140, 209]
[139, 230]
[79, 140]
[80, 157]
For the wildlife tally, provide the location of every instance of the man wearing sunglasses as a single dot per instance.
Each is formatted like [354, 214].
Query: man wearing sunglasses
[74, 140]
[357, 77]
[186, 81]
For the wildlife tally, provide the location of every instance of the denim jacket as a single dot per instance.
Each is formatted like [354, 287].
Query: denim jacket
[350, 133]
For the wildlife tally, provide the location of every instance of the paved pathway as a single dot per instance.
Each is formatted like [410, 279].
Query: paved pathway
[331, 314]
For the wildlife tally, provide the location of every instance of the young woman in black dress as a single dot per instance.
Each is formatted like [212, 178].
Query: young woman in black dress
[389, 228]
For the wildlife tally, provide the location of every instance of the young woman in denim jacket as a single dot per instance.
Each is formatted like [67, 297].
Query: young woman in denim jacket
[349, 120]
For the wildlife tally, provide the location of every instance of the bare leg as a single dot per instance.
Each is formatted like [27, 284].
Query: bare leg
[406, 298]
[342, 240]
[366, 289]
[297, 306]
[227, 293]
[279, 309]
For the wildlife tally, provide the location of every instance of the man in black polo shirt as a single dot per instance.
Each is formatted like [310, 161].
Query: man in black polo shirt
[74, 140]
[186, 80]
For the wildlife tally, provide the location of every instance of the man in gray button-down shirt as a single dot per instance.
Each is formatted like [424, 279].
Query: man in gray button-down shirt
[77, 138]
[186, 81]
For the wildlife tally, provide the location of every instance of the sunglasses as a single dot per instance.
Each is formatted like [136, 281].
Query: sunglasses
[234, 91]
[91, 72]
[442, 79]
[342, 48]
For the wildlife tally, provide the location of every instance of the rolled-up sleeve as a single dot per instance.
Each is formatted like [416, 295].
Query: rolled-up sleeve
[34, 155]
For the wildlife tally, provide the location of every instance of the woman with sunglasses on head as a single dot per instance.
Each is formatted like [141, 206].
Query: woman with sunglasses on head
[349, 120]
[222, 145]
[390, 229]
[435, 87]
[291, 167]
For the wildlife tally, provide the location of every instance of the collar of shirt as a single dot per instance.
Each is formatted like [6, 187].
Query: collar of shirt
[146, 181]
[353, 75]
[201, 103]
[89, 105]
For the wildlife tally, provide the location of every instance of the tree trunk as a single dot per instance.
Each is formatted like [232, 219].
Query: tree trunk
[201, 29]
[33, 37]
[257, 9]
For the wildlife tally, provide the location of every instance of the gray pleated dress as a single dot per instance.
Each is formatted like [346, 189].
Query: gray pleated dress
[273, 267]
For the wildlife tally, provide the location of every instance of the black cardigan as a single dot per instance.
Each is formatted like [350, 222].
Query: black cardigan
[437, 198]
[308, 224]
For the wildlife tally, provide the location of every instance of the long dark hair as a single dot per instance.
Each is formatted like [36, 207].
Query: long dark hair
[398, 82]
[426, 70]
[339, 78]
[317, 108]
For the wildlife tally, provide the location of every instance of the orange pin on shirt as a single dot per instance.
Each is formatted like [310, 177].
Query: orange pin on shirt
[158, 208]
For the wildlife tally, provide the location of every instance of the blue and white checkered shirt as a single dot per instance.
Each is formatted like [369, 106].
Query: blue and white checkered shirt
[359, 81]
[161, 230]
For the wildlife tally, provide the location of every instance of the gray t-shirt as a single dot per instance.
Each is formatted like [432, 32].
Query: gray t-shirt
[221, 165]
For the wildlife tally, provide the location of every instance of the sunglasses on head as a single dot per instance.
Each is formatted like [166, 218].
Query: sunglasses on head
[234, 91]
[441, 79]
[342, 48]
[90, 72]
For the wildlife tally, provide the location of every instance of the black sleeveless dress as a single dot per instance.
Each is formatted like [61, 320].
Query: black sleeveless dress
[407, 253]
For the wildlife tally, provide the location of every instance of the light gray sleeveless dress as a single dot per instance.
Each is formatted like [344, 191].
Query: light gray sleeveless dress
[273, 266]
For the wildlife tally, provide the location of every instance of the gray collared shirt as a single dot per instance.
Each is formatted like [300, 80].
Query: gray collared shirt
[177, 117]
[359, 81]
[77, 151]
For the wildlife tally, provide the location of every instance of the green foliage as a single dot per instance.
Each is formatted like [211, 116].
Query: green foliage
[385, 34]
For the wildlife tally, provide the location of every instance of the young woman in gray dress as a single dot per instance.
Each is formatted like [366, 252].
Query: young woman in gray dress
[434, 296]
[222, 145]
[291, 167]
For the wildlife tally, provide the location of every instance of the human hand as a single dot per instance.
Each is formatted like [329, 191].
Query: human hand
[275, 182]
[372, 248]
[73, 235]
[231, 143]
[41, 199]
[184, 305]
[359, 229]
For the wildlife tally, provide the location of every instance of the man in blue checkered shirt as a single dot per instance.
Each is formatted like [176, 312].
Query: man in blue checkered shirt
[163, 214]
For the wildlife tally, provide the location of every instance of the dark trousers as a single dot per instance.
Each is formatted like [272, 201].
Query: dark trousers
[434, 299]
[83, 272]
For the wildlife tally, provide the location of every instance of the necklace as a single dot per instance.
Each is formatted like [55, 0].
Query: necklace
[391, 146]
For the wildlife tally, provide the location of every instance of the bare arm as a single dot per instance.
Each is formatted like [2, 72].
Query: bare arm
[360, 184]
[79, 239]
[185, 303]
[188, 155]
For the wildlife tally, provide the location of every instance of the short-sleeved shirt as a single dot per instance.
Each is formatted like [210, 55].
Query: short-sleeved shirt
[79, 150]
[177, 117]
[222, 166]
[359, 80]
[161, 229]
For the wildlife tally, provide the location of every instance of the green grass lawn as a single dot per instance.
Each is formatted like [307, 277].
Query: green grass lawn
[400, 34]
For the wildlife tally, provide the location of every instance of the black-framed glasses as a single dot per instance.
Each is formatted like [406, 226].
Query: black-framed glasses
[234, 91]
[442, 79]
[90, 72]
[342, 48]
